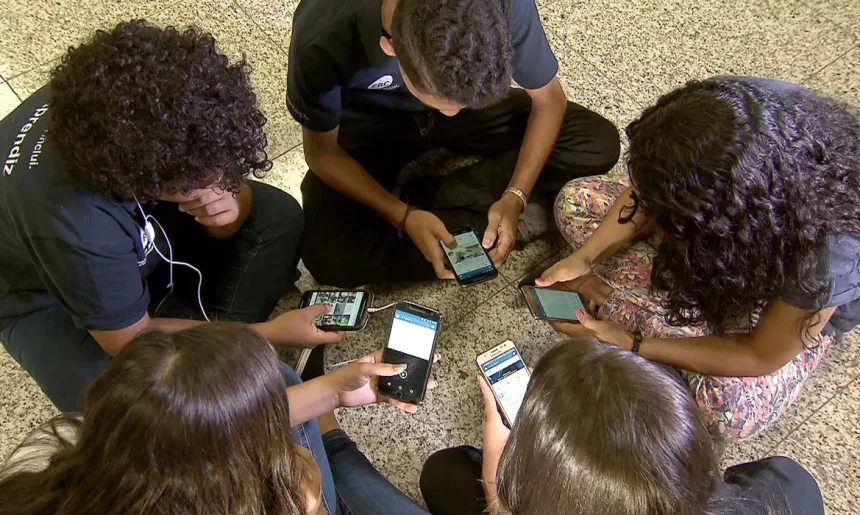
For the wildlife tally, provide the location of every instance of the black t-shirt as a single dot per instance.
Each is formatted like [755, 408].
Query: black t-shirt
[337, 70]
[62, 244]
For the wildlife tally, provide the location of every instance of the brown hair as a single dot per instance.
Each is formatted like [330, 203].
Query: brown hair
[192, 422]
[604, 431]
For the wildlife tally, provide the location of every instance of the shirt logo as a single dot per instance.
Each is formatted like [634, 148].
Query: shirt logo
[384, 82]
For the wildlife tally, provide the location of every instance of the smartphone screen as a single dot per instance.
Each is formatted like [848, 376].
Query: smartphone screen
[508, 377]
[348, 308]
[555, 304]
[412, 341]
[469, 260]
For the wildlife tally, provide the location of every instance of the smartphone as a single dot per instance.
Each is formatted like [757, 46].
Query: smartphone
[412, 341]
[469, 261]
[506, 373]
[554, 305]
[348, 308]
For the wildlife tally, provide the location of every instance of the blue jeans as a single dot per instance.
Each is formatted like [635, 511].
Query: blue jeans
[350, 483]
[244, 277]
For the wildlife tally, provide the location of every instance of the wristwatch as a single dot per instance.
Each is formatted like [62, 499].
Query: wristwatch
[637, 340]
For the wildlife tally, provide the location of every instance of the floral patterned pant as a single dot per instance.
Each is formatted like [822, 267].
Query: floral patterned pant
[736, 407]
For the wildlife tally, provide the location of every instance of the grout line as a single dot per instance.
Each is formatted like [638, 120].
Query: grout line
[14, 92]
[813, 74]
[838, 392]
[260, 28]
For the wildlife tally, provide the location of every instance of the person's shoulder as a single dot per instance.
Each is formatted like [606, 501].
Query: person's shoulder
[316, 21]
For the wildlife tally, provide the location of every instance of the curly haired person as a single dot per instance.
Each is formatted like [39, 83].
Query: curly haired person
[734, 253]
[377, 83]
[138, 152]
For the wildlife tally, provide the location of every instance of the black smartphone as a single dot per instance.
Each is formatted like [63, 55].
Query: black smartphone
[348, 308]
[411, 341]
[469, 261]
[554, 305]
[506, 373]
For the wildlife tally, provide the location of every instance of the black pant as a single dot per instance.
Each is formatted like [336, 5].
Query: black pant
[451, 485]
[347, 245]
[243, 278]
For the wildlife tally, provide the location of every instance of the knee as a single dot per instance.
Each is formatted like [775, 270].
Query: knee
[328, 262]
[587, 198]
[276, 215]
[596, 143]
[436, 471]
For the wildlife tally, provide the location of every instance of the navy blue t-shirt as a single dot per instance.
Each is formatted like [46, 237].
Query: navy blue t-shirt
[337, 69]
[62, 244]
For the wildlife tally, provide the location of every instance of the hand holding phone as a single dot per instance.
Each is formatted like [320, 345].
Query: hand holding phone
[553, 305]
[411, 341]
[348, 310]
[356, 382]
[469, 259]
[507, 377]
[296, 328]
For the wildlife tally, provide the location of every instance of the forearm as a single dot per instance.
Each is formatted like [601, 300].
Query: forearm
[611, 235]
[311, 399]
[733, 356]
[245, 201]
[542, 129]
[341, 172]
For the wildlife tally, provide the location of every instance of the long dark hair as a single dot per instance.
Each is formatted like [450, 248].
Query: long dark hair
[194, 422]
[745, 182]
[603, 431]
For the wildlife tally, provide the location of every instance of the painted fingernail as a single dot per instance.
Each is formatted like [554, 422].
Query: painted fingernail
[580, 313]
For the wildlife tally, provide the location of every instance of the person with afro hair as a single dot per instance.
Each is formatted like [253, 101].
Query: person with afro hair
[377, 83]
[126, 207]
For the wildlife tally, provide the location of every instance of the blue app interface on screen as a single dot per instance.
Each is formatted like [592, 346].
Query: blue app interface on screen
[468, 259]
[558, 304]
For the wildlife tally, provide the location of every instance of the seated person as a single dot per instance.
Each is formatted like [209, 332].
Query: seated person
[747, 194]
[603, 431]
[142, 135]
[197, 421]
[377, 83]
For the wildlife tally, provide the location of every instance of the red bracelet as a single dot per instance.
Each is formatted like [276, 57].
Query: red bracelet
[401, 227]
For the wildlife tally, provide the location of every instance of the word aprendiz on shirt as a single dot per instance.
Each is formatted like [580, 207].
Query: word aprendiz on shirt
[15, 151]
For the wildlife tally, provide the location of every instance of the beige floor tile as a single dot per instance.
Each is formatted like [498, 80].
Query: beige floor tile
[845, 13]
[29, 82]
[37, 31]
[827, 446]
[786, 40]
[636, 45]
[23, 406]
[222, 18]
[8, 100]
[840, 79]
[287, 173]
[275, 17]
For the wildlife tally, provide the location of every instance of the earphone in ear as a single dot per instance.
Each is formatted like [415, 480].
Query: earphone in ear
[149, 223]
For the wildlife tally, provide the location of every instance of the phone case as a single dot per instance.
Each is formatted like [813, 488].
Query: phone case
[419, 397]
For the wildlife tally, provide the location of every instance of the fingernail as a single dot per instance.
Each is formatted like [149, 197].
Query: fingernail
[401, 367]
[579, 314]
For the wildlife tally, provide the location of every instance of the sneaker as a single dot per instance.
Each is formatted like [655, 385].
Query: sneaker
[535, 223]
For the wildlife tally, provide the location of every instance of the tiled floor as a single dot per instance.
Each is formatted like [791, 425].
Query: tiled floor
[616, 56]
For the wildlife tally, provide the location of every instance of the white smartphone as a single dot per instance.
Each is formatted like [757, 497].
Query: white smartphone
[506, 373]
